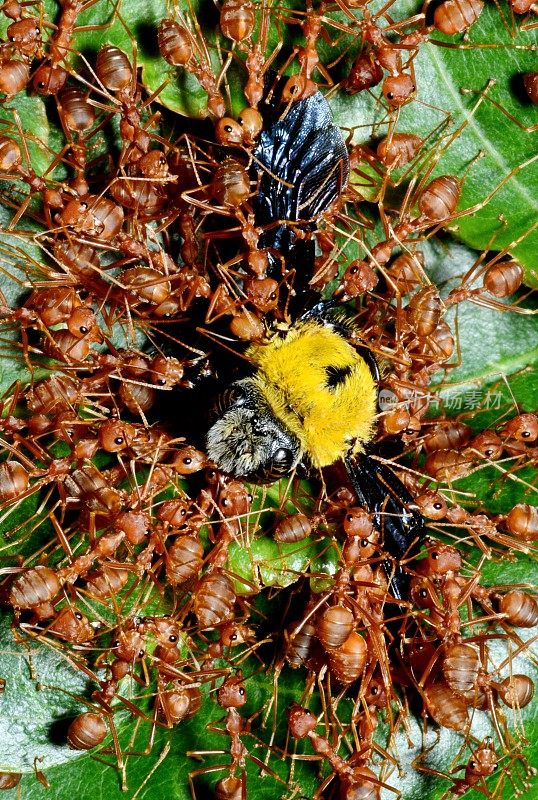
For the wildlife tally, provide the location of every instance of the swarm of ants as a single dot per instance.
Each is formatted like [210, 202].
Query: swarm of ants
[142, 265]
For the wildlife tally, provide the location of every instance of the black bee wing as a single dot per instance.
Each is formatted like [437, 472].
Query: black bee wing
[302, 166]
[306, 163]
[384, 495]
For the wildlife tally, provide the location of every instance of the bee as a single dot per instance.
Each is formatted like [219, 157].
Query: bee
[312, 394]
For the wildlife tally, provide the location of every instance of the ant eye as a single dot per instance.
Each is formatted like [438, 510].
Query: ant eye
[423, 593]
[390, 95]
[172, 638]
[118, 440]
[187, 460]
[241, 691]
[435, 556]
[78, 615]
[228, 128]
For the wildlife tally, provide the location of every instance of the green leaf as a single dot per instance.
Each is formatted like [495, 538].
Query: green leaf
[40, 694]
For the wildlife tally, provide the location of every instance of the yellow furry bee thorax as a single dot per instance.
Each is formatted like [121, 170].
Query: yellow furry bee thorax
[318, 385]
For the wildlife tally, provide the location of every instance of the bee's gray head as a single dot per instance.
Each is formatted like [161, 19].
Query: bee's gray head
[248, 441]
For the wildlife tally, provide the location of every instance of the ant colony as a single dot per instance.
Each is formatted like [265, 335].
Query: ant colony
[269, 516]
